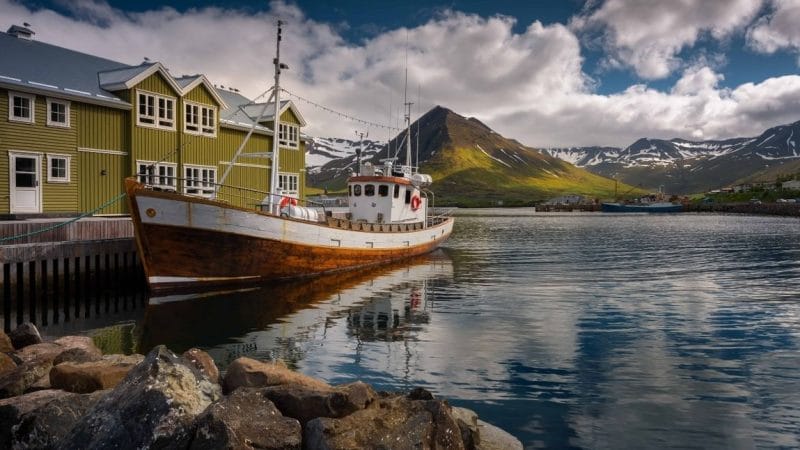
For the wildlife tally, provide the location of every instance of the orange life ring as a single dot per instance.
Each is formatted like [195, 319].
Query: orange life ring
[415, 201]
[287, 201]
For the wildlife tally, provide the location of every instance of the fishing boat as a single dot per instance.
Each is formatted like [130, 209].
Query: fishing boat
[656, 207]
[190, 241]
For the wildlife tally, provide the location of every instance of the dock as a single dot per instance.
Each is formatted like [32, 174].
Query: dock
[52, 271]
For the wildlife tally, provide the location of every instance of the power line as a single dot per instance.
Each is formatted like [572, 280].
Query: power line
[341, 114]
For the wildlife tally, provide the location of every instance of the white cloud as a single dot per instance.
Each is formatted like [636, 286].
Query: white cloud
[778, 30]
[648, 35]
[527, 85]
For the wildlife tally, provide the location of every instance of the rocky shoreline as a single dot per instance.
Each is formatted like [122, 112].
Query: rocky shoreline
[66, 394]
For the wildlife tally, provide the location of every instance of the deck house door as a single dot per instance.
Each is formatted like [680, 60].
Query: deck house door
[25, 189]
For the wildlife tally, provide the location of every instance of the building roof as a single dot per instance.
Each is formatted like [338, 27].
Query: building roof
[67, 72]
[29, 65]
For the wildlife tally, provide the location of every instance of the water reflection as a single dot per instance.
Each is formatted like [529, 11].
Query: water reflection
[287, 320]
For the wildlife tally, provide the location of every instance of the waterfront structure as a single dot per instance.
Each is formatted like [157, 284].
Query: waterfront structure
[74, 125]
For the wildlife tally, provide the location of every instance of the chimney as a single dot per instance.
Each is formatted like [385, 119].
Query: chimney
[21, 32]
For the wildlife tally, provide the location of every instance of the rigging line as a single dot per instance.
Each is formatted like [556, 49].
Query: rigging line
[340, 114]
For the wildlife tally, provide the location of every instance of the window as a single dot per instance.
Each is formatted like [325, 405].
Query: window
[357, 190]
[408, 195]
[383, 190]
[21, 107]
[288, 135]
[57, 168]
[150, 116]
[200, 180]
[350, 191]
[200, 120]
[288, 184]
[57, 113]
[396, 191]
[161, 175]
[369, 190]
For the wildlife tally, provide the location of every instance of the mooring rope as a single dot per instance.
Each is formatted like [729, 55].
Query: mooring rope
[59, 225]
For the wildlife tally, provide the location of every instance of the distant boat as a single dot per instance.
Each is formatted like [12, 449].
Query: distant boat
[657, 207]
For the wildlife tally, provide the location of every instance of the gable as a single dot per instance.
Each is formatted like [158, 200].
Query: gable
[201, 94]
[157, 84]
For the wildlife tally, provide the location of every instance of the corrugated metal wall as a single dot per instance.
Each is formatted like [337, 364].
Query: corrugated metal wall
[107, 173]
[102, 128]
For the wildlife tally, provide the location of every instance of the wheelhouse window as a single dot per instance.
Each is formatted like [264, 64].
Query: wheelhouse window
[408, 196]
[357, 190]
[21, 107]
[200, 120]
[383, 190]
[200, 180]
[57, 113]
[156, 111]
[58, 168]
[289, 183]
[161, 175]
[369, 190]
[288, 135]
[396, 191]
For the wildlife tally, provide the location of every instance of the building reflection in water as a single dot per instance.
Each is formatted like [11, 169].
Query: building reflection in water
[288, 320]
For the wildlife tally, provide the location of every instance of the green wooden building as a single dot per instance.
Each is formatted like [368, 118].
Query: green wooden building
[73, 126]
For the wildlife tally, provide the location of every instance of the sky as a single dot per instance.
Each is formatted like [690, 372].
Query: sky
[548, 73]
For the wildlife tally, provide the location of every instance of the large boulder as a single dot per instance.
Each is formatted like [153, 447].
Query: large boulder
[306, 404]
[247, 372]
[12, 410]
[5, 343]
[24, 335]
[396, 422]
[93, 376]
[245, 419]
[154, 406]
[77, 349]
[19, 380]
[46, 425]
[467, 422]
[47, 350]
[204, 362]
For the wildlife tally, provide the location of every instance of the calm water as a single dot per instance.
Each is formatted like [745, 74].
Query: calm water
[591, 331]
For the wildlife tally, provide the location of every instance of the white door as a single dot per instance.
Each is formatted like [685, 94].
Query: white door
[26, 191]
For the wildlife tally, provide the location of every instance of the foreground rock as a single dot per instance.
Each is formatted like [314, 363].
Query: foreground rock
[45, 426]
[246, 372]
[23, 377]
[204, 362]
[86, 377]
[13, 409]
[24, 335]
[5, 343]
[154, 406]
[395, 422]
[306, 404]
[246, 419]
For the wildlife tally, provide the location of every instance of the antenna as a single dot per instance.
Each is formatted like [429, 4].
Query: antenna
[276, 129]
[361, 135]
[418, 117]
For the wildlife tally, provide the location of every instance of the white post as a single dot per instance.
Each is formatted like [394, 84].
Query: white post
[273, 185]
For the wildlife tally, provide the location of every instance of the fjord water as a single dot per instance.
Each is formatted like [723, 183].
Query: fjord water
[570, 330]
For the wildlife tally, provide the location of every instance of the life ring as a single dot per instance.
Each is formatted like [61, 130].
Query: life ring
[286, 201]
[415, 201]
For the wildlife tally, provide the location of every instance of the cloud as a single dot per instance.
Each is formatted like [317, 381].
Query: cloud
[648, 35]
[777, 30]
[527, 85]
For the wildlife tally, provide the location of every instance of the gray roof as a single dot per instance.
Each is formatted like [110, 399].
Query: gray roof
[186, 80]
[119, 76]
[45, 67]
[242, 112]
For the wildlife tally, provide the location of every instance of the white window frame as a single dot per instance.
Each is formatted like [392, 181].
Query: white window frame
[199, 180]
[159, 175]
[50, 122]
[201, 115]
[289, 135]
[50, 177]
[293, 181]
[158, 121]
[32, 106]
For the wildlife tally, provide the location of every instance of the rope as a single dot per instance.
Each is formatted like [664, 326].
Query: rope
[340, 114]
[62, 224]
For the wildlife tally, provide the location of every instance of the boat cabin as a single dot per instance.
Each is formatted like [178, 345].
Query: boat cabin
[388, 194]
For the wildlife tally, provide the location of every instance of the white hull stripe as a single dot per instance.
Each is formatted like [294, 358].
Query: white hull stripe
[166, 280]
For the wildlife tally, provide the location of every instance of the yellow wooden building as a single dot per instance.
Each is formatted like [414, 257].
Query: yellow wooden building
[73, 126]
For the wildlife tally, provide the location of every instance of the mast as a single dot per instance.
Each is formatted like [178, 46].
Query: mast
[407, 104]
[273, 185]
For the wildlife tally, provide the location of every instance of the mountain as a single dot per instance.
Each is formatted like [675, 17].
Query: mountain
[681, 166]
[470, 163]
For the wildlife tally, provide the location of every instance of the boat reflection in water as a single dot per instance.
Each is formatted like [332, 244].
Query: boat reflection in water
[288, 320]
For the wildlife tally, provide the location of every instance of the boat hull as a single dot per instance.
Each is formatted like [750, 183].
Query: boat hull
[651, 208]
[191, 242]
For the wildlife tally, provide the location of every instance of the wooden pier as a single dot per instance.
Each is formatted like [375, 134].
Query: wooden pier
[81, 269]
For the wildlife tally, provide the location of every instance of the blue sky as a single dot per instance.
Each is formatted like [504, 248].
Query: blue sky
[548, 73]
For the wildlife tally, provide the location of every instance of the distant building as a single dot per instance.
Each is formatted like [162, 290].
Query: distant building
[569, 200]
[791, 184]
[73, 125]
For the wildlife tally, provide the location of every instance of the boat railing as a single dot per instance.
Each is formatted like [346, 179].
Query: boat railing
[240, 196]
[440, 216]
